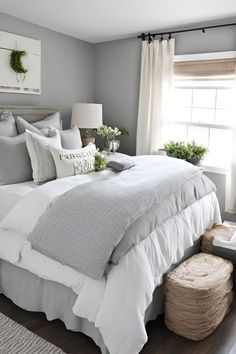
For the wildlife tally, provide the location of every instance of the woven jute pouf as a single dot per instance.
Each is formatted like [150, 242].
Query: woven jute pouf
[198, 295]
[225, 231]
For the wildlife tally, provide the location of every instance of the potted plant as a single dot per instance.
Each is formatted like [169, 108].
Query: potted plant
[100, 162]
[191, 152]
[195, 153]
[109, 136]
[176, 149]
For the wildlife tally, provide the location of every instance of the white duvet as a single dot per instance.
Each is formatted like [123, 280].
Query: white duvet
[117, 303]
[11, 194]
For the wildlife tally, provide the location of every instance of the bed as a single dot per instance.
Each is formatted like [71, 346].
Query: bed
[112, 308]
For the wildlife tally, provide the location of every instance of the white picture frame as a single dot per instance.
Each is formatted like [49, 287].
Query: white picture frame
[10, 82]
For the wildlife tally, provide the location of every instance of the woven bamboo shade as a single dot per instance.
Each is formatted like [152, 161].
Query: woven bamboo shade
[197, 69]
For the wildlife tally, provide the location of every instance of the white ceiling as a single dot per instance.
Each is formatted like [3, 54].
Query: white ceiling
[103, 20]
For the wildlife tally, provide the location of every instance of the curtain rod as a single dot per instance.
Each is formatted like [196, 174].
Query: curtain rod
[149, 35]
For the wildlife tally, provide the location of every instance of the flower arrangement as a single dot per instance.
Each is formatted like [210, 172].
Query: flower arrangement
[106, 132]
[110, 133]
[109, 136]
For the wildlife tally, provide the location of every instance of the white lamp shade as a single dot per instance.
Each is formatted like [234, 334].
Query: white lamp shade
[86, 115]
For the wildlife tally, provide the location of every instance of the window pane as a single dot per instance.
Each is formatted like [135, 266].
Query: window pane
[220, 147]
[182, 97]
[181, 114]
[176, 132]
[199, 135]
[225, 117]
[203, 115]
[204, 98]
[225, 98]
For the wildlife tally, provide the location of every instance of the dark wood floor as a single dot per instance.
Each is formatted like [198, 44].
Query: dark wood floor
[161, 341]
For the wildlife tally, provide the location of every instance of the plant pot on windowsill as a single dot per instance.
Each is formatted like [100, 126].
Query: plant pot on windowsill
[190, 152]
[195, 161]
[169, 154]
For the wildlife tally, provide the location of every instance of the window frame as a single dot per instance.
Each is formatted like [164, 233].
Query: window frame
[205, 56]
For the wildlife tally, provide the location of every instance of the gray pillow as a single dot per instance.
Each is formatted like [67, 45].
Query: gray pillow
[71, 139]
[15, 166]
[7, 124]
[53, 121]
[121, 165]
[22, 125]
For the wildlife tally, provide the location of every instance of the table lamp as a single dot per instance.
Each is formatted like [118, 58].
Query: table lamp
[87, 117]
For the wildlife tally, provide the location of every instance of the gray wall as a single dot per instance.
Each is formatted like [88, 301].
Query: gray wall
[117, 85]
[68, 68]
[117, 81]
[219, 180]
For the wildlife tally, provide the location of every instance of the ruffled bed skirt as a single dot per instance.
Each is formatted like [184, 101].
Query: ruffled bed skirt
[32, 293]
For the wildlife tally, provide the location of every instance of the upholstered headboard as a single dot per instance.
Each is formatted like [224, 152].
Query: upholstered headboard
[30, 113]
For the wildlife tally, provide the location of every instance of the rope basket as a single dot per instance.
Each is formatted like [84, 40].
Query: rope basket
[198, 296]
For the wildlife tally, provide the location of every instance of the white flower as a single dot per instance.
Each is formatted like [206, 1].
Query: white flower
[108, 132]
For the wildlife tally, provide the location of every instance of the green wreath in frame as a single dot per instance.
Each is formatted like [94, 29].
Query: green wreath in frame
[16, 63]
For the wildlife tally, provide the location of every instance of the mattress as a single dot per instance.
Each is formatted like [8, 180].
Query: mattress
[11, 194]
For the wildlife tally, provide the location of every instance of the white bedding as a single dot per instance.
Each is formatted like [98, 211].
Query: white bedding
[116, 303]
[11, 194]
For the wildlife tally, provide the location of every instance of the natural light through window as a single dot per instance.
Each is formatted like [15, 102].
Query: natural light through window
[203, 111]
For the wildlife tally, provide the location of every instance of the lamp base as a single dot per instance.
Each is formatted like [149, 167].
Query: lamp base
[87, 140]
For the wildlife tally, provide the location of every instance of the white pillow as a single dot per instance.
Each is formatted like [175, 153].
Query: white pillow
[41, 159]
[74, 162]
[71, 139]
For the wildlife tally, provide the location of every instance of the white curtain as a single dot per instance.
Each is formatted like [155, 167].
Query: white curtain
[230, 190]
[154, 96]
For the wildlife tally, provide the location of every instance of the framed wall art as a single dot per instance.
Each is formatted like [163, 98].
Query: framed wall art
[20, 64]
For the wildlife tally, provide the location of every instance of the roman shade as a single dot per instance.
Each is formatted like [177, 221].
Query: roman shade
[214, 69]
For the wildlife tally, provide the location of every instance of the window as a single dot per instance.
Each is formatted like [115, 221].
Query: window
[203, 105]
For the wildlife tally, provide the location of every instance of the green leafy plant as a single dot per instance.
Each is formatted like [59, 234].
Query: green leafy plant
[184, 151]
[196, 151]
[176, 149]
[16, 61]
[100, 162]
[124, 131]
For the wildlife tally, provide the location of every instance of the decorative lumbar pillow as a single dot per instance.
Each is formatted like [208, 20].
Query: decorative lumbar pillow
[41, 159]
[15, 166]
[74, 162]
[71, 139]
[7, 124]
[122, 165]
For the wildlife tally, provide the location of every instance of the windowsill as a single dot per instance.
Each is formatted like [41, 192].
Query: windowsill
[214, 169]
